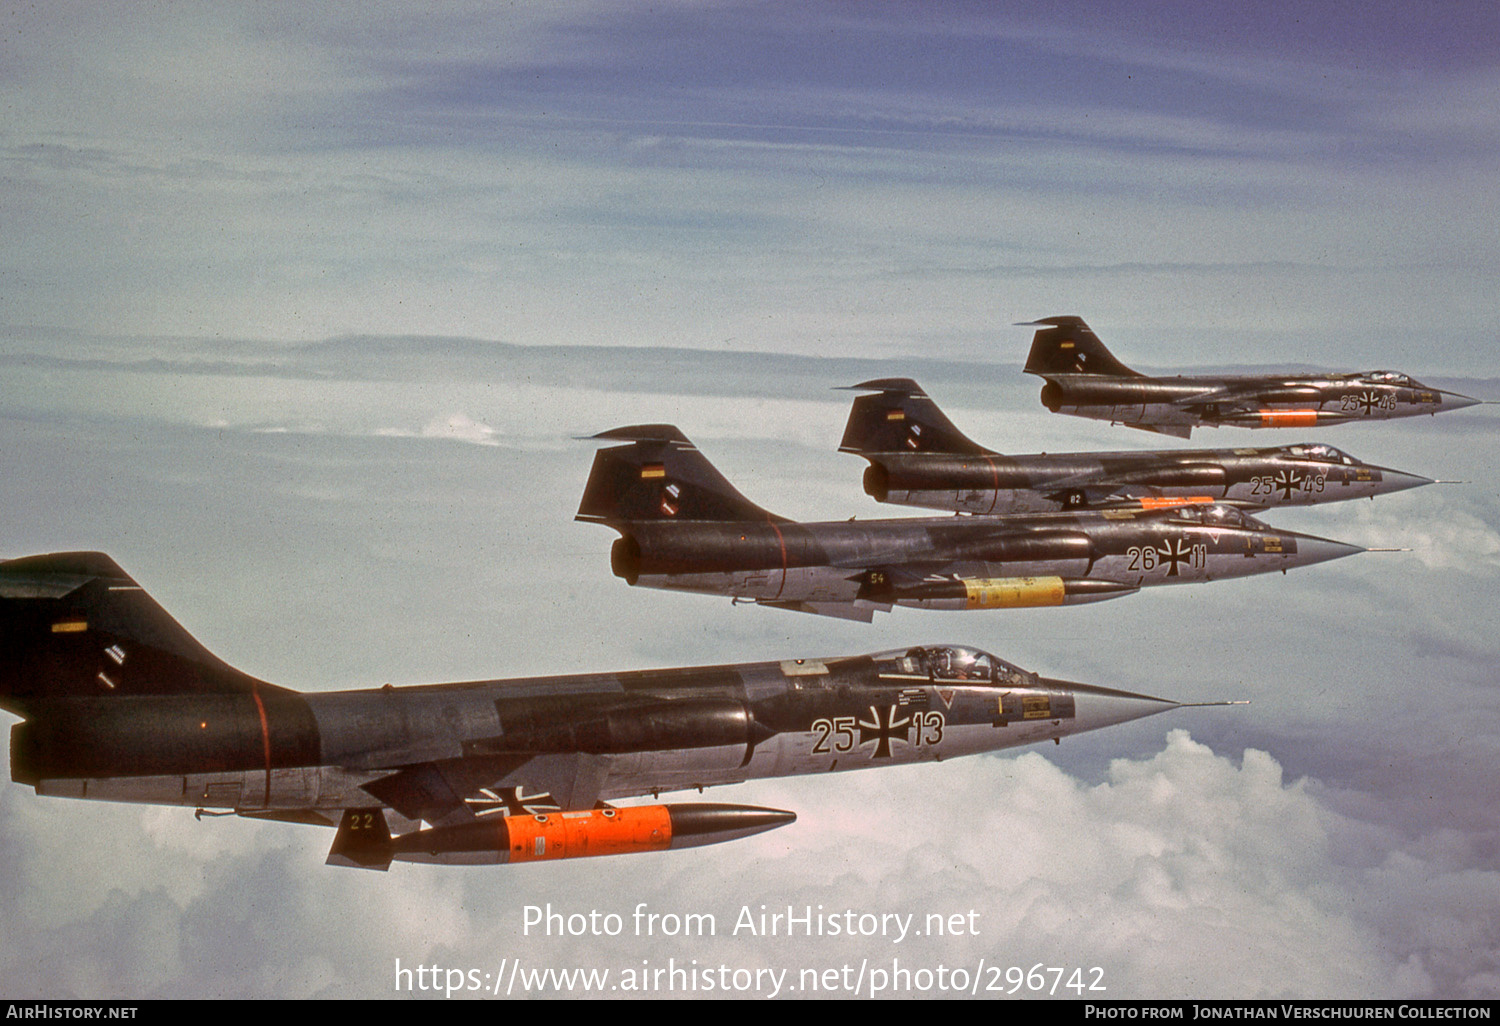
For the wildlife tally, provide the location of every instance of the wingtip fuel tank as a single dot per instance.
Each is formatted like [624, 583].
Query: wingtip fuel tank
[363, 840]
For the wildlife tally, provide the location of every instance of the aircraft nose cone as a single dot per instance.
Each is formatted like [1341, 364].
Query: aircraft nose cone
[1096, 707]
[1399, 481]
[1312, 550]
[1455, 401]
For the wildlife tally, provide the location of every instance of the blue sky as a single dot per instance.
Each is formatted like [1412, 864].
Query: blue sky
[263, 277]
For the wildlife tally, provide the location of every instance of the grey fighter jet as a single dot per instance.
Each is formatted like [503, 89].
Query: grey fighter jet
[119, 703]
[684, 527]
[1084, 379]
[918, 458]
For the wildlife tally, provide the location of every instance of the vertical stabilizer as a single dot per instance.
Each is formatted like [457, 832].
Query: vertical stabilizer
[660, 475]
[901, 418]
[1066, 345]
[74, 625]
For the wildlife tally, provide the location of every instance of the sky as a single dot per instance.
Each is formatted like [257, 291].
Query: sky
[303, 309]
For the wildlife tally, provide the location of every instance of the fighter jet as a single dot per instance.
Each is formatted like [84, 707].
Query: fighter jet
[918, 458]
[120, 703]
[1084, 379]
[684, 527]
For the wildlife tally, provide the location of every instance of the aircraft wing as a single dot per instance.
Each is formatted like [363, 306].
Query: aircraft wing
[1175, 430]
[448, 791]
[1092, 493]
[572, 779]
[545, 743]
[859, 609]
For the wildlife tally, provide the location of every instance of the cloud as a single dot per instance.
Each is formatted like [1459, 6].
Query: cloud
[460, 428]
[1449, 537]
[1182, 872]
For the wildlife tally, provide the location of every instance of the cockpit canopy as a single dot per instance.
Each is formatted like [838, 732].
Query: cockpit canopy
[1321, 454]
[1385, 377]
[1215, 515]
[953, 663]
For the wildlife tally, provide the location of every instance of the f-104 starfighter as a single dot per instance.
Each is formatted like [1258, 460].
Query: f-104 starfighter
[118, 702]
[919, 458]
[1086, 380]
[684, 527]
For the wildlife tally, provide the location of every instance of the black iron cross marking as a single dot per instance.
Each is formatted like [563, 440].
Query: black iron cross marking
[1368, 400]
[1174, 553]
[885, 727]
[514, 801]
[1288, 481]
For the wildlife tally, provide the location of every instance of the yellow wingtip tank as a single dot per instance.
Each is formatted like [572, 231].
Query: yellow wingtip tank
[1014, 592]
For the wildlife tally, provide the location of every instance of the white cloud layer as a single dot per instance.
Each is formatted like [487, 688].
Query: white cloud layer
[1182, 872]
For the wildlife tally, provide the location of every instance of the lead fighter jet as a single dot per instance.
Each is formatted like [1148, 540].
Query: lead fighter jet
[119, 703]
[1084, 379]
[684, 527]
[918, 458]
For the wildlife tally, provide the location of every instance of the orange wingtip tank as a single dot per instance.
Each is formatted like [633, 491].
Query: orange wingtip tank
[547, 836]
[1172, 501]
[574, 835]
[1288, 418]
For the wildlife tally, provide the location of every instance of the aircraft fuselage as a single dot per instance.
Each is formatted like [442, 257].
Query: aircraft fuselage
[570, 741]
[994, 483]
[1178, 404]
[958, 562]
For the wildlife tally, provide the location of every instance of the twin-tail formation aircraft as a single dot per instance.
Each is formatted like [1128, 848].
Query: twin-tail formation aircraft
[1086, 380]
[120, 703]
[684, 527]
[919, 458]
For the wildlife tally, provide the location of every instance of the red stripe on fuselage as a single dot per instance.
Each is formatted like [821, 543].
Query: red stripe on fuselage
[265, 740]
[782, 541]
